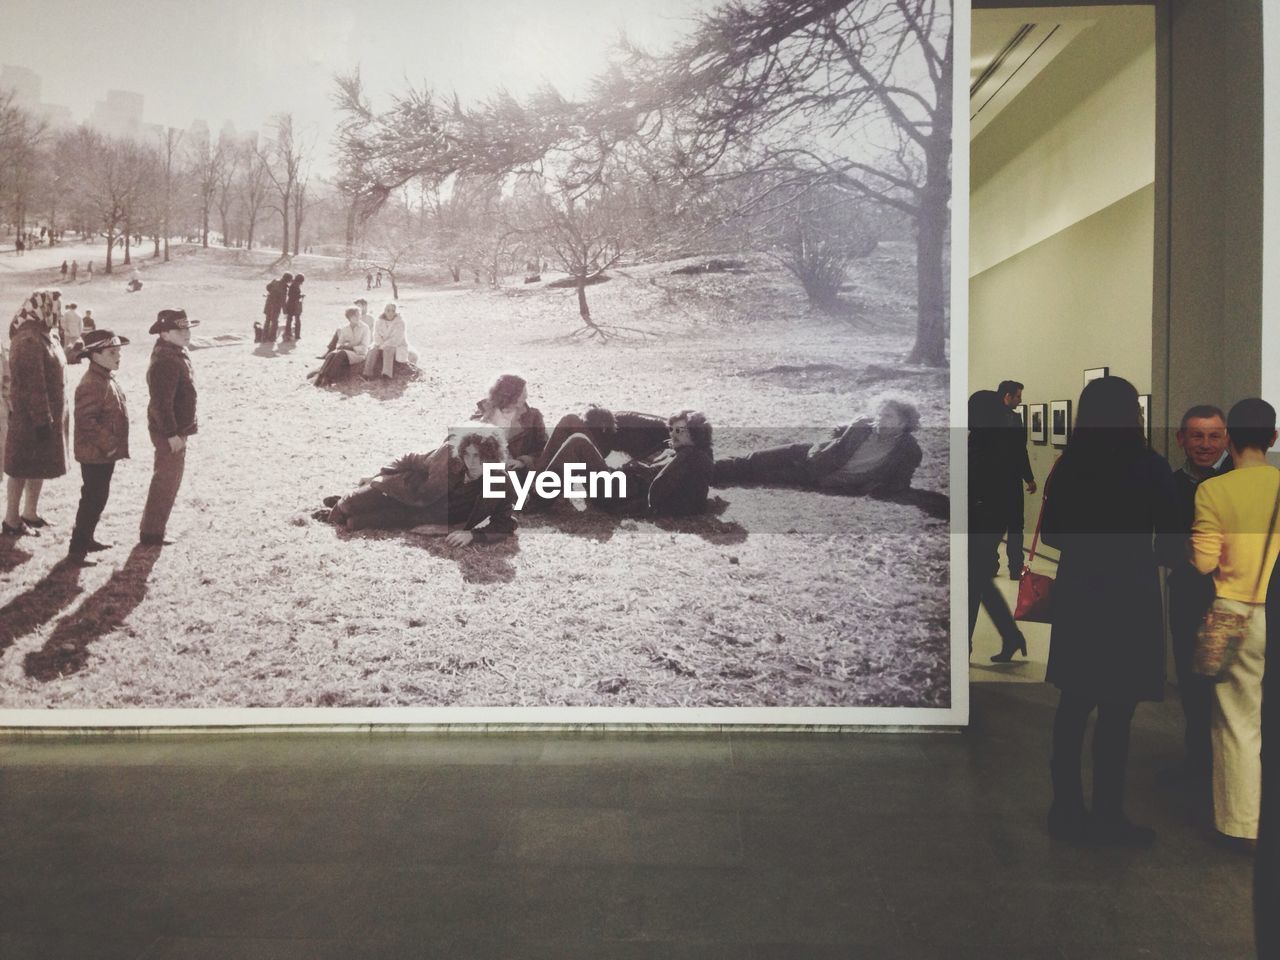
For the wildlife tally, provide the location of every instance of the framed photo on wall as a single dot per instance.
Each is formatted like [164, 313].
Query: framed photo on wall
[1021, 410]
[1059, 422]
[1095, 373]
[1144, 404]
[1038, 424]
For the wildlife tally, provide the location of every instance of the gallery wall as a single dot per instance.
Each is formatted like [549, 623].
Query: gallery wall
[1062, 223]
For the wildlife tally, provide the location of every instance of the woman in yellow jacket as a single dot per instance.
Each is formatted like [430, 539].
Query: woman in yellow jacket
[1234, 538]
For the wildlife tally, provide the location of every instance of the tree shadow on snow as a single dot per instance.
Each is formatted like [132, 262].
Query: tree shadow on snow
[478, 563]
[67, 649]
[29, 611]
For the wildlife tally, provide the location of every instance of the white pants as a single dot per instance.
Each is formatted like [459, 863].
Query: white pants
[1236, 730]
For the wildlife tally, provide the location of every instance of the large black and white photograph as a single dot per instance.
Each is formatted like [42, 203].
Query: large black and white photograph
[494, 356]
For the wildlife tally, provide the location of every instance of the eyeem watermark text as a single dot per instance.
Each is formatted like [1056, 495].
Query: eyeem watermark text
[575, 482]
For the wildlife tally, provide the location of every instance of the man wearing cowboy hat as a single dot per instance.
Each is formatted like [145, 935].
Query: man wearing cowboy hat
[101, 438]
[171, 418]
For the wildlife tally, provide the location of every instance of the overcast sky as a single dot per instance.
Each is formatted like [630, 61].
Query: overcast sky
[244, 60]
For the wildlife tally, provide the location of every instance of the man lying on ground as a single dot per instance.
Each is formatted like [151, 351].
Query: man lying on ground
[866, 457]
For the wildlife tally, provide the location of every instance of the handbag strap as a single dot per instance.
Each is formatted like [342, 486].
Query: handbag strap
[1035, 537]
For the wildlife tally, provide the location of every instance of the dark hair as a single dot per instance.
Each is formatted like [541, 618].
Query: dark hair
[907, 411]
[298, 279]
[1251, 424]
[1008, 387]
[286, 277]
[1202, 411]
[699, 427]
[986, 410]
[506, 390]
[491, 446]
[1108, 420]
[600, 421]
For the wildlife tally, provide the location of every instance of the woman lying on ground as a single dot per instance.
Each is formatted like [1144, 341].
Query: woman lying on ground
[866, 457]
[348, 348]
[442, 488]
[507, 408]
[670, 483]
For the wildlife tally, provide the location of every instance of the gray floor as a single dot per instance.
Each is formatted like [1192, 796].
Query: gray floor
[608, 846]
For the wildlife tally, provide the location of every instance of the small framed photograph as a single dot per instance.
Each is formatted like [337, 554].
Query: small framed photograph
[1144, 404]
[1038, 424]
[1059, 422]
[1095, 373]
[1021, 411]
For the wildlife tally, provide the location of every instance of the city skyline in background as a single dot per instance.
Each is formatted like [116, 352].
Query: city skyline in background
[239, 65]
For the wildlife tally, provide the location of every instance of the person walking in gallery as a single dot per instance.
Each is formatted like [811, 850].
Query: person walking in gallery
[443, 488]
[101, 439]
[293, 309]
[171, 419]
[1202, 435]
[507, 407]
[1107, 497]
[1019, 473]
[390, 344]
[348, 348]
[988, 470]
[876, 457]
[1235, 537]
[35, 447]
[277, 292]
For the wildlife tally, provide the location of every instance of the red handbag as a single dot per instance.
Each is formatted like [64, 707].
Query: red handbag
[1035, 590]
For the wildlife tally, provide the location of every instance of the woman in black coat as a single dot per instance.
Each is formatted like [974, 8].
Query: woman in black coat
[293, 309]
[1108, 496]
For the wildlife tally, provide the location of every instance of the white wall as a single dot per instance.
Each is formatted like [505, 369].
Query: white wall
[1271, 205]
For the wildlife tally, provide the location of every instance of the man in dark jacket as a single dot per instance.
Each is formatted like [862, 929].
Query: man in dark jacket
[101, 438]
[171, 418]
[1202, 436]
[277, 291]
[1019, 472]
[865, 457]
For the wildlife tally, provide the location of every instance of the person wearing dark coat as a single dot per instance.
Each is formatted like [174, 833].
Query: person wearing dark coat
[507, 407]
[1107, 497]
[293, 309]
[101, 438]
[277, 293]
[35, 446]
[442, 489]
[988, 518]
[673, 482]
[1202, 436]
[876, 457]
[1019, 466]
[171, 419]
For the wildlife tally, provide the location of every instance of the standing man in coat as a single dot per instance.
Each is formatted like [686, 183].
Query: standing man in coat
[101, 438]
[277, 290]
[1019, 473]
[171, 418]
[1203, 439]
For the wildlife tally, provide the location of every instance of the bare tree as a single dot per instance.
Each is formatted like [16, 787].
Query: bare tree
[168, 162]
[224, 187]
[22, 136]
[110, 179]
[283, 160]
[253, 185]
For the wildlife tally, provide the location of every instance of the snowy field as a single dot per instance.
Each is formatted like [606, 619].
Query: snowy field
[778, 598]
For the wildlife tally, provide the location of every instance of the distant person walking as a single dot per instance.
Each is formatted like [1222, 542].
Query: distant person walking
[171, 419]
[90, 270]
[35, 444]
[19, 247]
[64, 269]
[377, 280]
[293, 309]
[368, 281]
[75, 269]
[101, 438]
